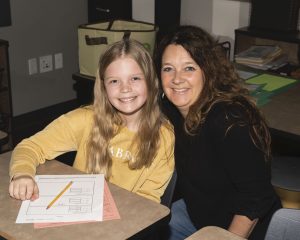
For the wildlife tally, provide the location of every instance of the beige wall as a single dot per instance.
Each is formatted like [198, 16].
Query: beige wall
[197, 12]
[40, 28]
[229, 15]
[143, 10]
[219, 17]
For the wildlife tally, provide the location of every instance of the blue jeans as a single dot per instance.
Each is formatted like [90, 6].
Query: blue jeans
[180, 225]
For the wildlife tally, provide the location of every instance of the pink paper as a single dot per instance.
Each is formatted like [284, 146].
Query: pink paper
[110, 211]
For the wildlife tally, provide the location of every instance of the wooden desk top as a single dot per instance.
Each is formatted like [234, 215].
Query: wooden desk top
[137, 213]
[214, 233]
[283, 111]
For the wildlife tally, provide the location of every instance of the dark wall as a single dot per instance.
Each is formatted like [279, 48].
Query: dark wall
[167, 15]
[102, 10]
[279, 15]
[5, 18]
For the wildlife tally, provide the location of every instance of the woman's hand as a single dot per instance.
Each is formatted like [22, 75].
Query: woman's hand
[23, 188]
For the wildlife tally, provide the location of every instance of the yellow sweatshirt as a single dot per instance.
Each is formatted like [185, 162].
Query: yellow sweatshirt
[70, 132]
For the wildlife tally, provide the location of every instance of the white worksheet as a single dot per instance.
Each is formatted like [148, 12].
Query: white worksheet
[82, 201]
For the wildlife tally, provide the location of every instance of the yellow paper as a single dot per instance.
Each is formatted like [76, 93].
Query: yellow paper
[272, 82]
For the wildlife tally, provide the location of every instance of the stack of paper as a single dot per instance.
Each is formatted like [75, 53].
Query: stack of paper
[262, 57]
[87, 199]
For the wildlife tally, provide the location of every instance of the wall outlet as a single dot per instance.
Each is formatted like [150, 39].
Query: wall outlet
[32, 66]
[58, 60]
[46, 64]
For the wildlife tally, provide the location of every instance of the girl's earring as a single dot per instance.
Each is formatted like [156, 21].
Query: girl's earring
[163, 95]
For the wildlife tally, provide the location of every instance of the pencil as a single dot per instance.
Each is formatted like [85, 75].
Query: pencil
[59, 195]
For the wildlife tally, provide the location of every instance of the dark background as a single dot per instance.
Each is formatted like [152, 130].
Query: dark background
[5, 18]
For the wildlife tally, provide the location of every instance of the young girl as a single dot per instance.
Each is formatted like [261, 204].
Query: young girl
[123, 135]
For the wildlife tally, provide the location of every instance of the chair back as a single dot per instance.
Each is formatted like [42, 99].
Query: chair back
[167, 197]
[285, 172]
[226, 48]
[284, 225]
[286, 180]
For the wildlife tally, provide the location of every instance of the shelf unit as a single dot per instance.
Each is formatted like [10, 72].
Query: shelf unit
[288, 41]
[5, 97]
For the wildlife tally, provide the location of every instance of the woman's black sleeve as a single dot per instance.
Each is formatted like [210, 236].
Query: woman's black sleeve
[246, 168]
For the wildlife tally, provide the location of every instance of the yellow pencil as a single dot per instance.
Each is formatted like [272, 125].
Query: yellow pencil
[59, 195]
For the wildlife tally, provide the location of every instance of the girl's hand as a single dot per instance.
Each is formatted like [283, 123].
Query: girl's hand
[23, 188]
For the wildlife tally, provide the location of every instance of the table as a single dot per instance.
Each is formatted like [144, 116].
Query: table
[283, 117]
[282, 114]
[214, 233]
[140, 217]
[283, 111]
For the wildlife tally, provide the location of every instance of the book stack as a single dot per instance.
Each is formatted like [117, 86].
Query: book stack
[262, 56]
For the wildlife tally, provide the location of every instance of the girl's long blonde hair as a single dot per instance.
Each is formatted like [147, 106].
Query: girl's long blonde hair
[107, 121]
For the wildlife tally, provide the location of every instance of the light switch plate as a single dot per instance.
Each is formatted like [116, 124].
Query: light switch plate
[58, 60]
[32, 66]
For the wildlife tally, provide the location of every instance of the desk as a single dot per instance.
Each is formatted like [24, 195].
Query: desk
[283, 111]
[214, 233]
[139, 216]
[283, 116]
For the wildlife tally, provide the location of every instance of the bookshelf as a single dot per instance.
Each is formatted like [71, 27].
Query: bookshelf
[288, 41]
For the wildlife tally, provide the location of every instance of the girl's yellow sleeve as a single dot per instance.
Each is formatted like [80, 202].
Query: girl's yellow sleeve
[60, 136]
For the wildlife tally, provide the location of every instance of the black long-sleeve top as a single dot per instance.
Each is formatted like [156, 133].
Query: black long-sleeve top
[221, 172]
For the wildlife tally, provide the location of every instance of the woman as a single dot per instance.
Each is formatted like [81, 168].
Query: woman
[222, 143]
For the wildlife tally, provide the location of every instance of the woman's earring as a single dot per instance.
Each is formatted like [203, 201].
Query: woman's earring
[163, 95]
